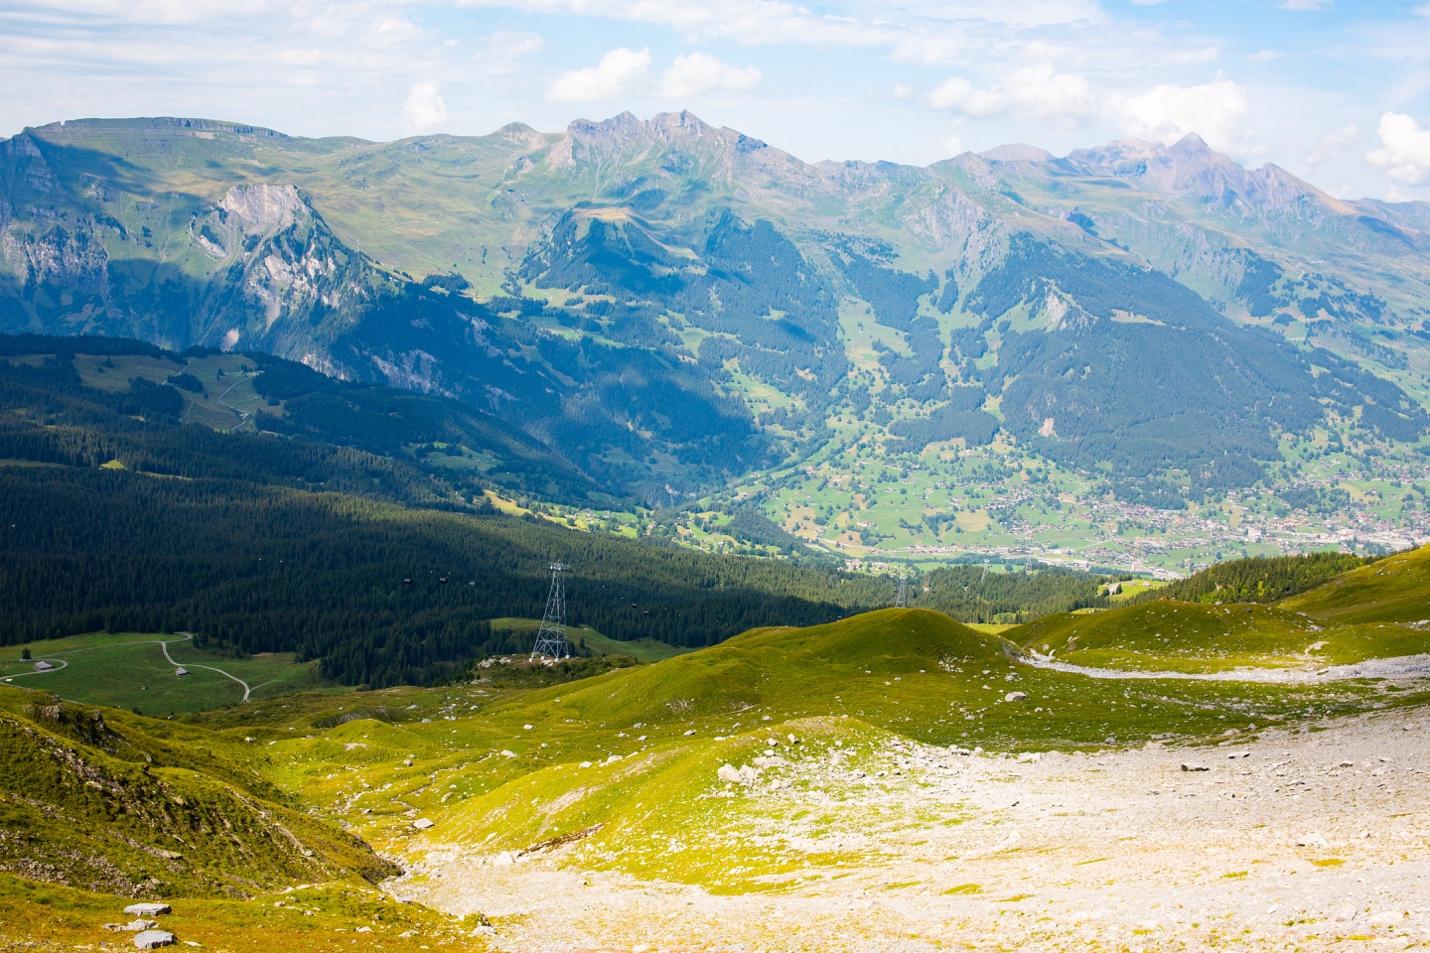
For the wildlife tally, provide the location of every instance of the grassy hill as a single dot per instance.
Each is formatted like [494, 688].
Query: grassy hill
[1396, 589]
[103, 801]
[628, 763]
[1363, 613]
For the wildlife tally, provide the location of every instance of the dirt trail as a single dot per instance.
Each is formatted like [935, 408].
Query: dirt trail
[1296, 840]
[1404, 667]
[187, 637]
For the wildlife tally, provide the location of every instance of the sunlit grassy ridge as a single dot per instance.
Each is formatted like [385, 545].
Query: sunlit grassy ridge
[1368, 612]
[1396, 589]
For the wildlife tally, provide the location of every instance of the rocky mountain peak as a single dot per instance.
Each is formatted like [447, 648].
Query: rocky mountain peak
[1016, 152]
[1191, 146]
[626, 137]
[263, 206]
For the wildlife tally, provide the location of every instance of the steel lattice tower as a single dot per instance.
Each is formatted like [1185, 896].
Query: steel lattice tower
[551, 637]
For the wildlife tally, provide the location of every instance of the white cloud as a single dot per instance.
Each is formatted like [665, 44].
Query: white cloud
[504, 49]
[1264, 56]
[1333, 145]
[1015, 13]
[424, 107]
[1038, 91]
[1167, 112]
[614, 74]
[1404, 149]
[1306, 6]
[694, 73]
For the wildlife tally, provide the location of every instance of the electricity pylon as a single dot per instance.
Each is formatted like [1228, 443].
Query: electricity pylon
[551, 637]
[901, 600]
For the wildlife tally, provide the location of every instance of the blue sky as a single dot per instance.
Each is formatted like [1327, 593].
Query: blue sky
[1337, 92]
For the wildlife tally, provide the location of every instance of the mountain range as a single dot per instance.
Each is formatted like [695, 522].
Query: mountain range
[681, 312]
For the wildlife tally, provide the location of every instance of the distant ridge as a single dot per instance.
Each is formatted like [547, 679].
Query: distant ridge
[1016, 152]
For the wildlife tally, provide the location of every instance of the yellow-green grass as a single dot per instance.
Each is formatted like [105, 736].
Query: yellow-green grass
[990, 628]
[114, 802]
[1194, 637]
[129, 670]
[509, 770]
[1132, 588]
[644, 650]
[1395, 589]
[626, 764]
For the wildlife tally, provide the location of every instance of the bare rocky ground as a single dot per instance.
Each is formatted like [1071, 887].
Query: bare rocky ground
[1303, 839]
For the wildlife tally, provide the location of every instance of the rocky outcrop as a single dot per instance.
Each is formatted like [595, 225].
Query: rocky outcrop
[264, 207]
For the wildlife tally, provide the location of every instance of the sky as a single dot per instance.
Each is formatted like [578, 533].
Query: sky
[1338, 92]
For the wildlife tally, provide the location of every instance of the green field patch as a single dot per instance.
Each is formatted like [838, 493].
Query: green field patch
[130, 670]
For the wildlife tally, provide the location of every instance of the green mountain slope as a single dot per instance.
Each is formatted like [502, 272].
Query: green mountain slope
[95, 800]
[1374, 611]
[733, 741]
[677, 307]
[1396, 589]
[418, 448]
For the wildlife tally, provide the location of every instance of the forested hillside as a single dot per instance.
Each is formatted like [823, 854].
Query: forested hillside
[329, 520]
[976, 594]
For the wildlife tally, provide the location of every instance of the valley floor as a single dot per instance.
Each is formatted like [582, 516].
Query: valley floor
[1299, 839]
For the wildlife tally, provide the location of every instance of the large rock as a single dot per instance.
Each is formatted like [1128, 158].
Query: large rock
[148, 909]
[423, 823]
[153, 939]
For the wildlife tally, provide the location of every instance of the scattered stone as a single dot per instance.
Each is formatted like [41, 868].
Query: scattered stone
[1015, 697]
[1311, 840]
[153, 939]
[728, 773]
[1195, 766]
[148, 909]
[423, 823]
[1029, 757]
